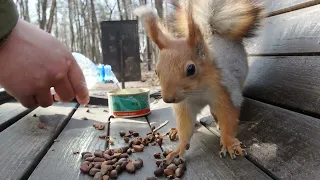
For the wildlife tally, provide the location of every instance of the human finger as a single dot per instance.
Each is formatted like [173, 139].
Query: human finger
[28, 101]
[78, 83]
[44, 98]
[64, 89]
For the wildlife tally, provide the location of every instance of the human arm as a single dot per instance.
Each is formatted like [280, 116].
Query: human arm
[32, 61]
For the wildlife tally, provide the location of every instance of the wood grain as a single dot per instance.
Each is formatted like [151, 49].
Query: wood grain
[23, 144]
[276, 5]
[283, 142]
[141, 126]
[11, 112]
[202, 159]
[293, 32]
[78, 136]
[289, 82]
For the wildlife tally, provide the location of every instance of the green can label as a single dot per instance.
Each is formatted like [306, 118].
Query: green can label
[130, 103]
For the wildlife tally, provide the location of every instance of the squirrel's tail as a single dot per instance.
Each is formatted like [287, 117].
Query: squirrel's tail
[235, 19]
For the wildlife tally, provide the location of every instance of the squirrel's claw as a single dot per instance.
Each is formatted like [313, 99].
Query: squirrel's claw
[234, 150]
[223, 153]
[242, 145]
[172, 155]
[178, 153]
[217, 126]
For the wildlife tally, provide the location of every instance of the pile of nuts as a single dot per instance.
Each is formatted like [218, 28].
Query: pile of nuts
[109, 164]
[174, 170]
[103, 165]
[138, 142]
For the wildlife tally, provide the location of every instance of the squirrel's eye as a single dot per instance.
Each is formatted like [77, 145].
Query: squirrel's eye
[155, 71]
[191, 69]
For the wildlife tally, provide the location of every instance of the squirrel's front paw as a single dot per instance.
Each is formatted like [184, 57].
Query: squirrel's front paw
[174, 154]
[234, 148]
[179, 151]
[173, 134]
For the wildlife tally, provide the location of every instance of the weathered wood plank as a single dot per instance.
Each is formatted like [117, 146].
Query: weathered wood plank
[284, 142]
[23, 144]
[293, 32]
[11, 112]
[202, 159]
[276, 5]
[141, 126]
[78, 136]
[290, 82]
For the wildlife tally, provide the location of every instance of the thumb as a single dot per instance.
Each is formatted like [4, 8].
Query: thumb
[78, 82]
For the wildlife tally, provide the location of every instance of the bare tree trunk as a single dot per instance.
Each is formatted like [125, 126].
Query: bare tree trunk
[124, 4]
[111, 9]
[51, 15]
[119, 9]
[85, 24]
[39, 11]
[26, 14]
[87, 29]
[43, 21]
[130, 6]
[93, 31]
[65, 32]
[21, 5]
[56, 23]
[79, 28]
[159, 7]
[71, 24]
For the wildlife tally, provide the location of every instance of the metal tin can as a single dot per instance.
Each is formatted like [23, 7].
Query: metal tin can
[131, 102]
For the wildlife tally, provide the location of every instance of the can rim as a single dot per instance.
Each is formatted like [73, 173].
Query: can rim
[129, 91]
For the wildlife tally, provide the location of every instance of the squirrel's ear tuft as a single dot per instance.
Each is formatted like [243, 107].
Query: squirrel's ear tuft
[194, 35]
[152, 24]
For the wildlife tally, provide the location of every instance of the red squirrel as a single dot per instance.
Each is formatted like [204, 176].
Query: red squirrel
[202, 61]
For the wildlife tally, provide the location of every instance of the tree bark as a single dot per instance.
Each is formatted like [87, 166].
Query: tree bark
[119, 9]
[125, 8]
[39, 11]
[21, 9]
[111, 9]
[26, 12]
[43, 21]
[93, 32]
[87, 29]
[130, 6]
[80, 38]
[56, 23]
[85, 24]
[51, 15]
[159, 7]
[71, 23]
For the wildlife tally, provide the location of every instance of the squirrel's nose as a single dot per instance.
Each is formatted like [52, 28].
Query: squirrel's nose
[169, 100]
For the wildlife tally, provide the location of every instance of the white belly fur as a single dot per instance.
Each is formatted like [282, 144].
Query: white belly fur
[230, 58]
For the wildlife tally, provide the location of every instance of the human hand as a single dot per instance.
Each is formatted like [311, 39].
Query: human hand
[32, 61]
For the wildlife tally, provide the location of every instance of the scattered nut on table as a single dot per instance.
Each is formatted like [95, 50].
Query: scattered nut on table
[111, 163]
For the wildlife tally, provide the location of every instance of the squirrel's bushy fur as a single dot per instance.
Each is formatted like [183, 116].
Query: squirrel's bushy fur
[203, 62]
[236, 19]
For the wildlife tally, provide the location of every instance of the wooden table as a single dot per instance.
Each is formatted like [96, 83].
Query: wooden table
[279, 121]
[47, 152]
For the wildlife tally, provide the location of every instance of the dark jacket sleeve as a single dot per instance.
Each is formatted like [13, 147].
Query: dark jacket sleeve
[8, 17]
